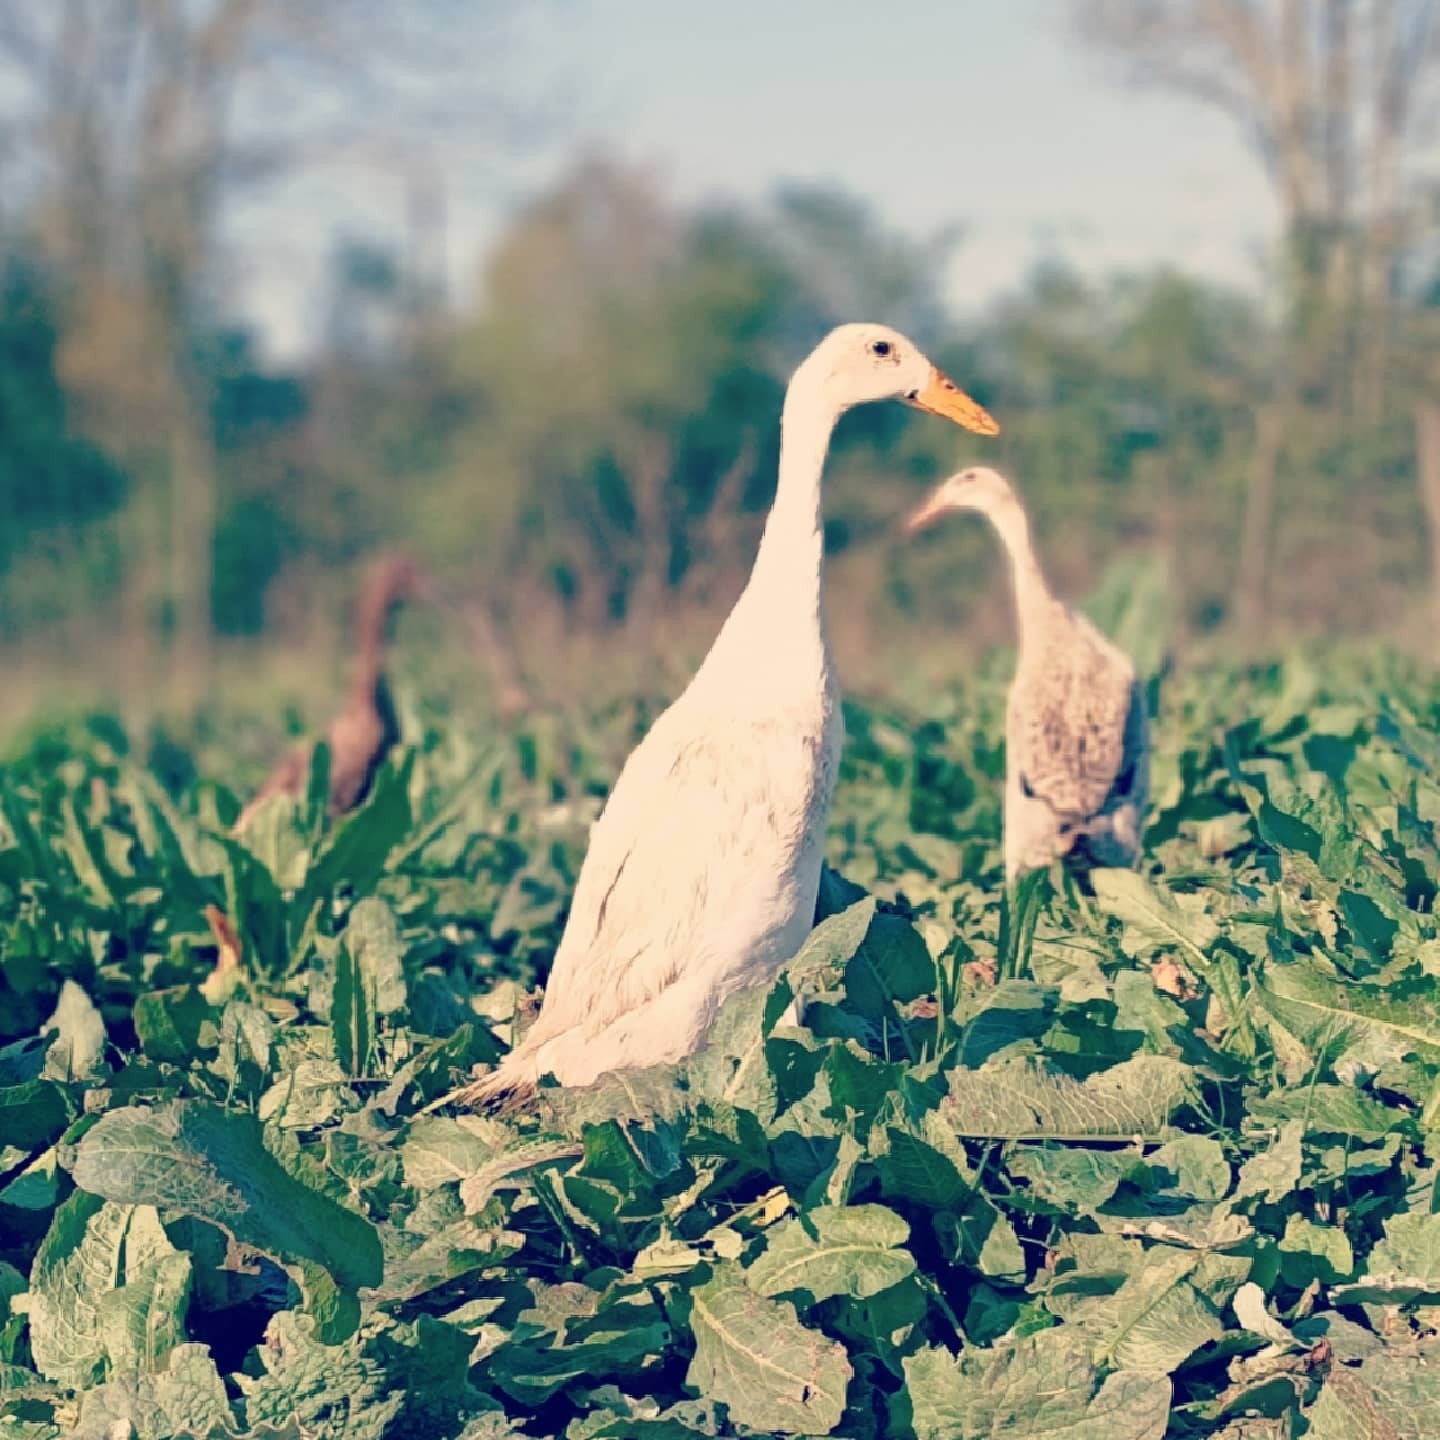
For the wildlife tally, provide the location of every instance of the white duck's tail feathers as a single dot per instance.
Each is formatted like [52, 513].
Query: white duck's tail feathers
[509, 1085]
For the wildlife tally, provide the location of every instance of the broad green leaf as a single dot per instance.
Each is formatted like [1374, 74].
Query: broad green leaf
[79, 1036]
[1012, 1012]
[892, 966]
[1154, 919]
[1389, 1397]
[363, 844]
[1021, 1099]
[309, 1094]
[1405, 1265]
[460, 1249]
[80, 1262]
[1140, 1006]
[1314, 1252]
[173, 1024]
[512, 1167]
[589, 1341]
[12, 1321]
[1323, 1013]
[107, 1288]
[646, 1419]
[1073, 1178]
[32, 1114]
[438, 1149]
[1286, 832]
[1157, 921]
[1155, 1320]
[859, 1084]
[195, 1158]
[821, 962]
[373, 939]
[187, 1398]
[1328, 1109]
[429, 1073]
[855, 1250]
[326, 1390]
[981, 1238]
[143, 1320]
[754, 1356]
[911, 1168]
[1043, 1387]
[23, 1060]
[732, 1069]
[645, 1094]
[353, 1011]
[1193, 1167]
[1274, 1173]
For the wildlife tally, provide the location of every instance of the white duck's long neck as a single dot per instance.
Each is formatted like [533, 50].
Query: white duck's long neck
[778, 621]
[792, 548]
[1033, 599]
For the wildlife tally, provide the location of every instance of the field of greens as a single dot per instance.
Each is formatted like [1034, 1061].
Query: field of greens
[1151, 1157]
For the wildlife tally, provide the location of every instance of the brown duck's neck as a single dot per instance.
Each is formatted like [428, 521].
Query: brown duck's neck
[366, 673]
[372, 627]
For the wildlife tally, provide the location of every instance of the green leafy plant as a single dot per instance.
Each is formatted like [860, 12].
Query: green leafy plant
[1146, 1155]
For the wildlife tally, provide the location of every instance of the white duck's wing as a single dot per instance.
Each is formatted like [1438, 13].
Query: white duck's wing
[697, 868]
[1071, 712]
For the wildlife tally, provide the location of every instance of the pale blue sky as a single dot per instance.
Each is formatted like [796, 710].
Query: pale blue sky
[988, 113]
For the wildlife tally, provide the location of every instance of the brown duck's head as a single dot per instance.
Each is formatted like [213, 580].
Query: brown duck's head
[392, 577]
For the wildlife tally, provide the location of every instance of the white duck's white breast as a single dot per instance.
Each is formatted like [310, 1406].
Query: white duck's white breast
[701, 878]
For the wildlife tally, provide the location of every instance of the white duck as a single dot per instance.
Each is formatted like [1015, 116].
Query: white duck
[1076, 727]
[703, 868]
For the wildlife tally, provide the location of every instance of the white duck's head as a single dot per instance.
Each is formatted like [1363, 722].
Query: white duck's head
[855, 364]
[977, 488]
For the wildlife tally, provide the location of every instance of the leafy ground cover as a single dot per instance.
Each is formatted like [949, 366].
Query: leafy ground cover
[1155, 1157]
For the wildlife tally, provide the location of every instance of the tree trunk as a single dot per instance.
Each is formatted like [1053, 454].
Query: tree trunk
[137, 675]
[1253, 572]
[497, 654]
[1427, 469]
[193, 486]
[1381, 233]
[650, 467]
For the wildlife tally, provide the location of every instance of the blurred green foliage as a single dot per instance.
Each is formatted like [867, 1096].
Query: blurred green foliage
[594, 433]
[50, 475]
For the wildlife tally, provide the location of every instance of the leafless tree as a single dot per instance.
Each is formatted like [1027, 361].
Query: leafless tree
[1338, 100]
[1427, 445]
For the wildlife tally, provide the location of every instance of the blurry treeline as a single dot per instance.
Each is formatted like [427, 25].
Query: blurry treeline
[584, 442]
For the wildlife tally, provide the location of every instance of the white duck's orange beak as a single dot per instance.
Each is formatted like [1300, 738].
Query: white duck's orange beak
[924, 516]
[942, 396]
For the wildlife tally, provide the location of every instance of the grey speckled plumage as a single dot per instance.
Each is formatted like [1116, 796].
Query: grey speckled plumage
[1077, 737]
[1077, 728]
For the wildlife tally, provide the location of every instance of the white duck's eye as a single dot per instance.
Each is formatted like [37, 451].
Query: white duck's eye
[881, 348]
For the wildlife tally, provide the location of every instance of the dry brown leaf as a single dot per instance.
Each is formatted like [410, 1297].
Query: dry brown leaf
[981, 972]
[1173, 979]
[218, 983]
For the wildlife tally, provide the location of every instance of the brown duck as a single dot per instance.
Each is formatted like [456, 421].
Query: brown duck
[365, 729]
